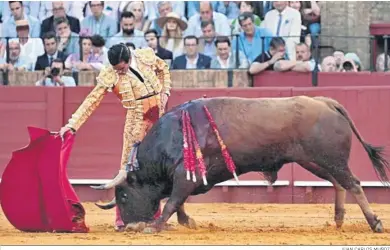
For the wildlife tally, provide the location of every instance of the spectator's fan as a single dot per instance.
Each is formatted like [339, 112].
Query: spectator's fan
[172, 35]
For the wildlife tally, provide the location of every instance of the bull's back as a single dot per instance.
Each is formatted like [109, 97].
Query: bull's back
[264, 120]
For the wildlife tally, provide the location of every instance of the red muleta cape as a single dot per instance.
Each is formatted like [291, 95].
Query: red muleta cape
[35, 192]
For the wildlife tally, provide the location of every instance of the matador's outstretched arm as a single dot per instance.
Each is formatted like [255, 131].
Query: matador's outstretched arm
[105, 81]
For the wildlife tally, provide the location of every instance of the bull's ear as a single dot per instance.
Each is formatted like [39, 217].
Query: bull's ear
[131, 177]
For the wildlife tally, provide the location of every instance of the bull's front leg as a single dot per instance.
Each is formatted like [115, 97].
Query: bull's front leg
[184, 219]
[173, 204]
[180, 192]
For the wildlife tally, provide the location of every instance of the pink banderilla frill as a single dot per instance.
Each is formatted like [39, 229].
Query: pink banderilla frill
[228, 159]
[190, 143]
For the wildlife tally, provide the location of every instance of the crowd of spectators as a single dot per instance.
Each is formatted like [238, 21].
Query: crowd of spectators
[253, 35]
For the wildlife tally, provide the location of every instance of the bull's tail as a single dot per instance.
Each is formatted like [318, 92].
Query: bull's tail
[381, 165]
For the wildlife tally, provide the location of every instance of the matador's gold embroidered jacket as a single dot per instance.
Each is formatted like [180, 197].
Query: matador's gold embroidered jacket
[128, 89]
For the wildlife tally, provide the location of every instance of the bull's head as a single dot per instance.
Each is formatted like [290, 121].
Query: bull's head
[137, 202]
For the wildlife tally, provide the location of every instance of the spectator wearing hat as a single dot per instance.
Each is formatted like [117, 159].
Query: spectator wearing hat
[128, 33]
[50, 43]
[31, 48]
[163, 8]
[58, 10]
[99, 23]
[206, 13]
[351, 63]
[172, 33]
[17, 11]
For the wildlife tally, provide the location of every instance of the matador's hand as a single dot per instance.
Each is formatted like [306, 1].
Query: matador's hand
[63, 130]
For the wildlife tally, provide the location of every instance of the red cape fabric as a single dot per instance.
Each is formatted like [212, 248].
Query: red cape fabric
[35, 191]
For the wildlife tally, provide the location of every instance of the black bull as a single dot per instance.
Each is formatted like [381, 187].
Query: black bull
[261, 135]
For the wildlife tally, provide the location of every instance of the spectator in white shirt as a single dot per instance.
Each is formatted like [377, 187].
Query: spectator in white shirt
[226, 58]
[31, 48]
[207, 13]
[285, 22]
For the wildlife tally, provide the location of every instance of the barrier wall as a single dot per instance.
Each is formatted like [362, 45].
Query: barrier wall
[96, 154]
[325, 79]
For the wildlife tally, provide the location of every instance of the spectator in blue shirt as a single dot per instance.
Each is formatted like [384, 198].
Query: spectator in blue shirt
[17, 11]
[99, 23]
[252, 41]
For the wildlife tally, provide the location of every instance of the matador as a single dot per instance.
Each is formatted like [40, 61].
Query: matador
[142, 82]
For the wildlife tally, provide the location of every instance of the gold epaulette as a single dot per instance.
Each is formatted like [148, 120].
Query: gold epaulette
[108, 77]
[146, 56]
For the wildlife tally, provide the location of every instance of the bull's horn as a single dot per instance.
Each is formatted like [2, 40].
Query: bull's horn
[107, 206]
[116, 181]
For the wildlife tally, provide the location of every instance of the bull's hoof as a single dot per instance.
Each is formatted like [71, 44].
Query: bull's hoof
[378, 228]
[191, 224]
[136, 227]
[119, 228]
[339, 223]
[150, 230]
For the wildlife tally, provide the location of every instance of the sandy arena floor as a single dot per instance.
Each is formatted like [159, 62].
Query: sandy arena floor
[233, 224]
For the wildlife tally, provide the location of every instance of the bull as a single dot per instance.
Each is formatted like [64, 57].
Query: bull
[261, 135]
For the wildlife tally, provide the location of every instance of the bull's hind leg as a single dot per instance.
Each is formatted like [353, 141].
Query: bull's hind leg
[344, 176]
[340, 192]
